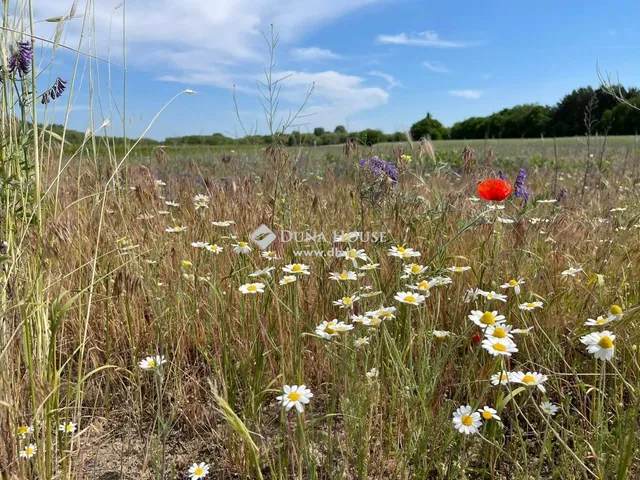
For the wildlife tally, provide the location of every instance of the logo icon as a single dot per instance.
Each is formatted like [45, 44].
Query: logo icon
[262, 236]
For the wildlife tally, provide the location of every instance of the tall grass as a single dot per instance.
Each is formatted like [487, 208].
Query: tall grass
[93, 283]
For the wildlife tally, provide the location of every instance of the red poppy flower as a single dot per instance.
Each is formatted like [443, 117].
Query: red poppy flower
[494, 189]
[477, 338]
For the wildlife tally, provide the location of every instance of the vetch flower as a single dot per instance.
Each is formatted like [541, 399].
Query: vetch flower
[409, 298]
[600, 344]
[466, 421]
[531, 379]
[56, 91]
[198, 470]
[486, 319]
[295, 396]
[22, 58]
[252, 288]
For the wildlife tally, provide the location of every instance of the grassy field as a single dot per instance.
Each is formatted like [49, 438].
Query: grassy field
[119, 285]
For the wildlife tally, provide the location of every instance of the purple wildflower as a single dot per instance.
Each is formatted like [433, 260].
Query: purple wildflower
[519, 189]
[21, 58]
[562, 195]
[501, 175]
[55, 91]
[380, 167]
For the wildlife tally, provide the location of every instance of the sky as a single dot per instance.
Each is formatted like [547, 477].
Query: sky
[373, 63]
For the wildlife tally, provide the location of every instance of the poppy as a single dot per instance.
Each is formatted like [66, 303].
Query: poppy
[494, 189]
[476, 338]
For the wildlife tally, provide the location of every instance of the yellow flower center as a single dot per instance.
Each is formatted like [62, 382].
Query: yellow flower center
[329, 328]
[352, 253]
[347, 300]
[252, 288]
[296, 268]
[69, 428]
[343, 276]
[242, 244]
[489, 295]
[528, 379]
[401, 249]
[29, 451]
[600, 321]
[294, 396]
[22, 430]
[487, 415]
[513, 283]
[487, 318]
[424, 285]
[152, 363]
[503, 377]
[415, 269]
[410, 299]
[500, 332]
[606, 343]
[531, 305]
[467, 421]
[499, 347]
[615, 310]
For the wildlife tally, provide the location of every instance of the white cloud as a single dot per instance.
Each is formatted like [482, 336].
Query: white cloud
[470, 94]
[390, 79]
[314, 53]
[421, 39]
[435, 67]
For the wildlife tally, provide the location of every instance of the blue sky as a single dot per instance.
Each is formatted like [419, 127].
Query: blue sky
[375, 63]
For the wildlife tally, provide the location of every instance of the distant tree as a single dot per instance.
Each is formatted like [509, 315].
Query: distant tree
[318, 131]
[428, 126]
[371, 137]
[340, 129]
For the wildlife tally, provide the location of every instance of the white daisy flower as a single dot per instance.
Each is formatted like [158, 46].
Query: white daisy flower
[499, 331]
[440, 281]
[67, 427]
[522, 331]
[28, 451]
[345, 275]
[223, 223]
[295, 396]
[489, 413]
[361, 342]
[409, 298]
[470, 295]
[370, 266]
[499, 346]
[287, 279]
[269, 255]
[386, 313]
[198, 470]
[615, 313]
[492, 295]
[373, 374]
[571, 272]
[596, 322]
[263, 271]
[372, 322]
[486, 319]
[242, 247]
[359, 319]
[441, 334]
[549, 408]
[160, 183]
[169, 203]
[413, 269]
[501, 378]
[251, 288]
[201, 201]
[466, 421]
[346, 302]
[24, 430]
[455, 269]
[214, 249]
[297, 268]
[530, 379]
[176, 229]
[529, 306]
[333, 328]
[402, 252]
[515, 284]
[495, 207]
[199, 244]
[145, 216]
[353, 254]
[152, 363]
[600, 344]
[423, 287]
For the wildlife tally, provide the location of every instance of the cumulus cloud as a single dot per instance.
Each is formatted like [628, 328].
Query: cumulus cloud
[470, 94]
[314, 53]
[428, 38]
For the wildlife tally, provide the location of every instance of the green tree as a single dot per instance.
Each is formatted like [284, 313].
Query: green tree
[318, 131]
[428, 126]
[340, 129]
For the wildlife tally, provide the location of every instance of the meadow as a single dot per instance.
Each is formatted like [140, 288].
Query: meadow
[146, 324]
[445, 310]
